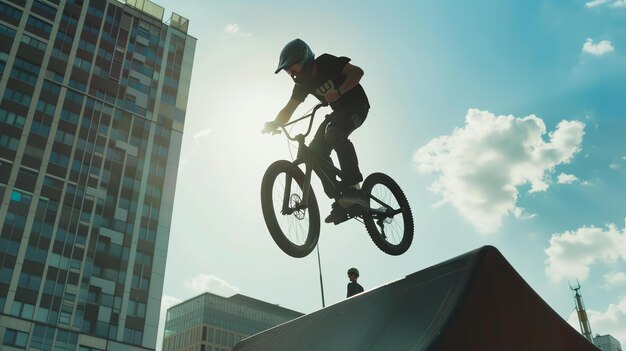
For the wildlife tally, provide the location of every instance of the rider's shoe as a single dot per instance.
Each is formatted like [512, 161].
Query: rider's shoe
[353, 196]
[337, 214]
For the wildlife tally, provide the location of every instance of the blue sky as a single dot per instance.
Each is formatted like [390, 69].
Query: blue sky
[502, 121]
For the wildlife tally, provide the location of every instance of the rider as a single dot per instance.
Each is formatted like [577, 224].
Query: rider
[333, 80]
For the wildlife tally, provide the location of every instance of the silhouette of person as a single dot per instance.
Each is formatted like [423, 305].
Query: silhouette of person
[354, 287]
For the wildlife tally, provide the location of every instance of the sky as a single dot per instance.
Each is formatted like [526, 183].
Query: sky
[502, 121]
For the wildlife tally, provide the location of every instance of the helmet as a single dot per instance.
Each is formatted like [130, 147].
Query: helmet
[354, 270]
[296, 51]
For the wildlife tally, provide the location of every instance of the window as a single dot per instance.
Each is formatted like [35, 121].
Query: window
[39, 24]
[9, 32]
[29, 281]
[15, 338]
[133, 336]
[41, 128]
[69, 116]
[10, 11]
[59, 159]
[11, 118]
[27, 65]
[50, 88]
[44, 8]
[46, 108]
[28, 40]
[136, 309]
[64, 137]
[22, 309]
[17, 96]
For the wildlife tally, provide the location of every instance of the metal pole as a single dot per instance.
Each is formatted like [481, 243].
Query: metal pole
[319, 264]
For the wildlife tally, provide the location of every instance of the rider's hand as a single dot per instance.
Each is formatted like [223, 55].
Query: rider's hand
[332, 95]
[270, 127]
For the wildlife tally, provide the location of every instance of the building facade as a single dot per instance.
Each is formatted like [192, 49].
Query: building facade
[607, 343]
[93, 95]
[210, 322]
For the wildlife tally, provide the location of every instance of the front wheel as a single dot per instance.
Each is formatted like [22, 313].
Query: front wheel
[389, 221]
[293, 224]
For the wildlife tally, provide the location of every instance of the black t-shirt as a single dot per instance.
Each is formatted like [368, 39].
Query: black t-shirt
[354, 288]
[329, 76]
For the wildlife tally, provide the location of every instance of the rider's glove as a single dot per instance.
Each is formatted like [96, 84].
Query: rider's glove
[270, 127]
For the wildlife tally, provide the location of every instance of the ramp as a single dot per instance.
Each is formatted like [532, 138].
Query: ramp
[476, 301]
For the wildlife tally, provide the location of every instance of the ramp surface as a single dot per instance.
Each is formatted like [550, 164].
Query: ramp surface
[476, 301]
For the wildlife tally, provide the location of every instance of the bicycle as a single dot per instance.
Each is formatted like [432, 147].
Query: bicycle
[292, 214]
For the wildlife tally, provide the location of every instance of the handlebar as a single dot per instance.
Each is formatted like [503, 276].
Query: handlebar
[311, 115]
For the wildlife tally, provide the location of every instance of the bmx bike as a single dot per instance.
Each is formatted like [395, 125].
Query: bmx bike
[292, 214]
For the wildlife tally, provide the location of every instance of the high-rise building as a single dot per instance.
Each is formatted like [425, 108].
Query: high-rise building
[210, 322]
[93, 95]
[607, 343]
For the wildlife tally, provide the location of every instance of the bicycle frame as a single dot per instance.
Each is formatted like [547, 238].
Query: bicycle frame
[325, 170]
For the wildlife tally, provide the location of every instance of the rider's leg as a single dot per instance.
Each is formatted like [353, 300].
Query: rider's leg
[337, 133]
[322, 148]
[348, 161]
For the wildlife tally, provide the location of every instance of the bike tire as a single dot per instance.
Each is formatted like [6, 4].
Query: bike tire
[399, 237]
[297, 233]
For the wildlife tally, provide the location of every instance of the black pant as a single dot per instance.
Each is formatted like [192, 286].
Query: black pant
[333, 134]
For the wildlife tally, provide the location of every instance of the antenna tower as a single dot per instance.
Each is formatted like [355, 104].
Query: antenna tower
[585, 327]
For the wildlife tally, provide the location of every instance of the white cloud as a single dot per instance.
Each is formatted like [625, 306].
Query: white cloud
[611, 3]
[201, 134]
[595, 3]
[571, 254]
[618, 3]
[613, 279]
[601, 48]
[614, 166]
[166, 302]
[209, 283]
[610, 322]
[520, 213]
[235, 29]
[566, 178]
[481, 164]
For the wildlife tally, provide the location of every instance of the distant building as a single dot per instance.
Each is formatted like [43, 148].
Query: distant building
[93, 95]
[607, 343]
[210, 322]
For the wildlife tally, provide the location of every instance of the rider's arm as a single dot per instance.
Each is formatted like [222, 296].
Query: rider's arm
[353, 76]
[285, 114]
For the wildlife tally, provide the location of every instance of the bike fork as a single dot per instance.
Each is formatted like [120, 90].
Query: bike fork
[287, 193]
[306, 188]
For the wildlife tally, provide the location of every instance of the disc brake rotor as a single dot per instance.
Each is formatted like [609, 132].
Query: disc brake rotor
[295, 201]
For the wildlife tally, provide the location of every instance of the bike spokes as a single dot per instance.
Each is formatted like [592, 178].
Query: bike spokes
[389, 220]
[387, 213]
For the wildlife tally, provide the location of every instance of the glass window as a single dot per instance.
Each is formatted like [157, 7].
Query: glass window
[15, 338]
[44, 9]
[17, 96]
[10, 11]
[34, 22]
[28, 40]
[11, 118]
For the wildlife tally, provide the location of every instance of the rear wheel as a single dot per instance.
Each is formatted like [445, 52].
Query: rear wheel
[294, 226]
[389, 221]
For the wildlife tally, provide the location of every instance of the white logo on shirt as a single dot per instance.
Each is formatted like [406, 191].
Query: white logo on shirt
[329, 85]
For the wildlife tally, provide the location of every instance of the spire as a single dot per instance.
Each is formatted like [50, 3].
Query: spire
[585, 327]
